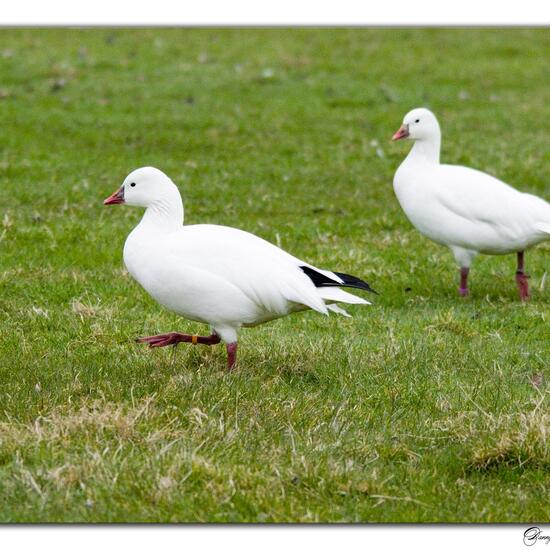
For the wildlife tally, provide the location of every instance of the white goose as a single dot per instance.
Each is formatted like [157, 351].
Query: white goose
[469, 211]
[221, 276]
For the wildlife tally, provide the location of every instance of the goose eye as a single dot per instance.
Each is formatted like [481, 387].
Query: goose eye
[132, 184]
[417, 120]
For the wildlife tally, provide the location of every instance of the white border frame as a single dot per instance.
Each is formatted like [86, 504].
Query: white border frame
[281, 12]
[261, 13]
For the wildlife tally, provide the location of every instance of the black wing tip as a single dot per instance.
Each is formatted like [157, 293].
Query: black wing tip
[354, 282]
[318, 279]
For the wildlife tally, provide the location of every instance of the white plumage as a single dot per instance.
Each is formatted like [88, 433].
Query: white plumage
[221, 276]
[467, 210]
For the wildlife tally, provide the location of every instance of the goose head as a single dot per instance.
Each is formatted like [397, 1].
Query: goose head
[144, 187]
[419, 125]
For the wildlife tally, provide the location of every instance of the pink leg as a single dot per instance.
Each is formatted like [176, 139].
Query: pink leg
[231, 355]
[464, 271]
[522, 279]
[174, 338]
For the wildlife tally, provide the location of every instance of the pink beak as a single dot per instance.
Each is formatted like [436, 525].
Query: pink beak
[402, 133]
[116, 198]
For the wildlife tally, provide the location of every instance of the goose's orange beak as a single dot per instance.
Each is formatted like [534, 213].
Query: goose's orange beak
[402, 133]
[116, 198]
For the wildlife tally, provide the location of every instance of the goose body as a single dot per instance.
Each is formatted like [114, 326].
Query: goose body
[221, 276]
[467, 210]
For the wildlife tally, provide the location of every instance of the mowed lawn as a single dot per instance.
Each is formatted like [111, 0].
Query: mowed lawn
[423, 407]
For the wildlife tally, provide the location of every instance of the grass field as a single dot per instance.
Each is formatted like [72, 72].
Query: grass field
[423, 407]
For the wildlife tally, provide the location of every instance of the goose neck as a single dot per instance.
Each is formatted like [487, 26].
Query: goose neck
[163, 216]
[426, 150]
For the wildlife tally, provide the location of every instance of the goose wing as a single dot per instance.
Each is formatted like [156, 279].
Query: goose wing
[266, 274]
[481, 198]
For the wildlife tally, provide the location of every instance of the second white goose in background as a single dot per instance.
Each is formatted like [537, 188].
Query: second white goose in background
[221, 276]
[467, 210]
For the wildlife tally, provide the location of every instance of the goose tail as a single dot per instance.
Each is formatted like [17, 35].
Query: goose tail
[333, 294]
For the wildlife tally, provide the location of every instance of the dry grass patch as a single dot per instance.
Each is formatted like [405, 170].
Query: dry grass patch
[515, 440]
[92, 420]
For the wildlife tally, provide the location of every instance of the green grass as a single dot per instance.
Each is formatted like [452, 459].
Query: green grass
[424, 407]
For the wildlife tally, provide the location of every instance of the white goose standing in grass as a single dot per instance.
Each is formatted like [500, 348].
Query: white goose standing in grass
[467, 210]
[221, 276]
